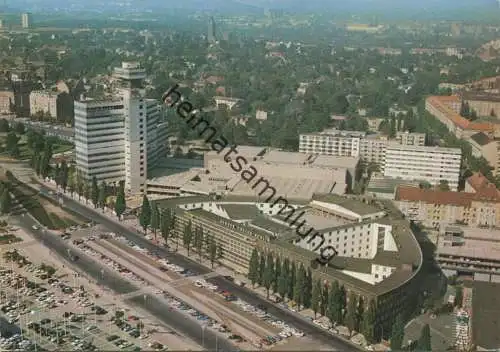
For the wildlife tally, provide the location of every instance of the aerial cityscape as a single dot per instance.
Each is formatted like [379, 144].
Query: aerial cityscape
[267, 175]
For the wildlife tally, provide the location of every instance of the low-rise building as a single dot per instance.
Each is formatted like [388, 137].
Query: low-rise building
[44, 103]
[479, 205]
[447, 108]
[6, 101]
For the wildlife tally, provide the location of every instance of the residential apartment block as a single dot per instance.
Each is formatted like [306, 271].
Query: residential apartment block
[483, 103]
[488, 148]
[355, 144]
[44, 102]
[332, 142]
[479, 205]
[6, 101]
[447, 108]
[433, 164]
[111, 136]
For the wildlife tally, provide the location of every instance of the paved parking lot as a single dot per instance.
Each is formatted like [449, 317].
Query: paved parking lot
[238, 321]
[58, 309]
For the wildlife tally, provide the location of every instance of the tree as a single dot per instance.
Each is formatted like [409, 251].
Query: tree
[19, 128]
[397, 334]
[64, 175]
[334, 311]
[459, 296]
[465, 109]
[424, 342]
[368, 322]
[352, 312]
[299, 286]
[443, 185]
[11, 141]
[283, 279]
[155, 218]
[268, 278]
[291, 280]
[166, 224]
[359, 313]
[4, 125]
[308, 287]
[102, 195]
[120, 204]
[86, 192]
[392, 131]
[277, 274]
[316, 297]
[145, 216]
[262, 270]
[253, 267]
[198, 240]
[5, 201]
[492, 113]
[325, 295]
[424, 185]
[187, 236]
[94, 192]
[213, 251]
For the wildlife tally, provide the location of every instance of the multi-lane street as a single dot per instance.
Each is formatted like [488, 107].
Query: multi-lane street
[300, 323]
[109, 279]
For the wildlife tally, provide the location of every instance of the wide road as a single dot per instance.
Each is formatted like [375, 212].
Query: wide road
[245, 294]
[110, 279]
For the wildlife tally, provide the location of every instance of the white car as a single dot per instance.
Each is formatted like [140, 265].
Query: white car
[34, 227]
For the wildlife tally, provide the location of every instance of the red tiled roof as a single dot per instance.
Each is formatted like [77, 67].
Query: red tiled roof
[484, 188]
[441, 103]
[415, 194]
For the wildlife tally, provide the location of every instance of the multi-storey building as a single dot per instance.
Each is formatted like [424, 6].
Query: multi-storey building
[26, 20]
[6, 101]
[407, 138]
[485, 104]
[434, 164]
[332, 142]
[479, 205]
[111, 138]
[99, 140]
[378, 257]
[372, 150]
[156, 131]
[22, 86]
[447, 108]
[44, 102]
[355, 144]
[131, 77]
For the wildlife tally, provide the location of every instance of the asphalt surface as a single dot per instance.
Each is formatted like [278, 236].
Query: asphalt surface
[107, 278]
[243, 293]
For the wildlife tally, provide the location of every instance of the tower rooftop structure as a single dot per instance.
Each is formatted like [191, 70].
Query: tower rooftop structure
[130, 72]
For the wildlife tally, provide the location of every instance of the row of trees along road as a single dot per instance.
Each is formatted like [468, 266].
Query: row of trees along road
[5, 199]
[163, 220]
[293, 282]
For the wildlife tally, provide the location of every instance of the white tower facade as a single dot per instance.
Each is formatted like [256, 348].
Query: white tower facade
[131, 77]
